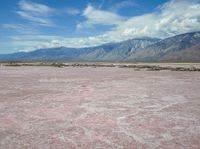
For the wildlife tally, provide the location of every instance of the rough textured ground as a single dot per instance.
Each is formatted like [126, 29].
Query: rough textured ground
[48, 107]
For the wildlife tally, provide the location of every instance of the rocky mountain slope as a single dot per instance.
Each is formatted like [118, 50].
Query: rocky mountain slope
[180, 48]
[106, 52]
[118, 51]
[184, 47]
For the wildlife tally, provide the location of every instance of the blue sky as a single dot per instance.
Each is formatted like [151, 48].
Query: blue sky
[27, 25]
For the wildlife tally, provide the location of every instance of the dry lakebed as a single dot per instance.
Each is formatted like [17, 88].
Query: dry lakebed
[99, 108]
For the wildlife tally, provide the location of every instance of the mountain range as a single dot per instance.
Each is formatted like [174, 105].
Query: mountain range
[179, 48]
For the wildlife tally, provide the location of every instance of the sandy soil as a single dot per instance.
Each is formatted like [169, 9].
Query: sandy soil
[50, 108]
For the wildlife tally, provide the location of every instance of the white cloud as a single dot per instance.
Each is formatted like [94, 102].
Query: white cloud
[13, 26]
[35, 7]
[26, 43]
[35, 19]
[172, 18]
[99, 17]
[36, 13]
[72, 11]
[179, 17]
[20, 28]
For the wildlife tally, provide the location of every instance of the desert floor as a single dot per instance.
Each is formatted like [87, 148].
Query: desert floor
[119, 108]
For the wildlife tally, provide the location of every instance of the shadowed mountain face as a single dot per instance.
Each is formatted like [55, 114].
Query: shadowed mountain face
[183, 48]
[107, 52]
[118, 51]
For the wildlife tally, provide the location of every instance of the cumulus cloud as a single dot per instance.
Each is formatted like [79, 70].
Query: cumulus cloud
[172, 18]
[178, 17]
[36, 13]
[99, 17]
[26, 43]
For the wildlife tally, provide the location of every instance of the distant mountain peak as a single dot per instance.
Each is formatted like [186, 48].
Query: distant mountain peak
[184, 47]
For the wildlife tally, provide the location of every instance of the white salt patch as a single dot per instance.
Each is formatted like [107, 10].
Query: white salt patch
[175, 98]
